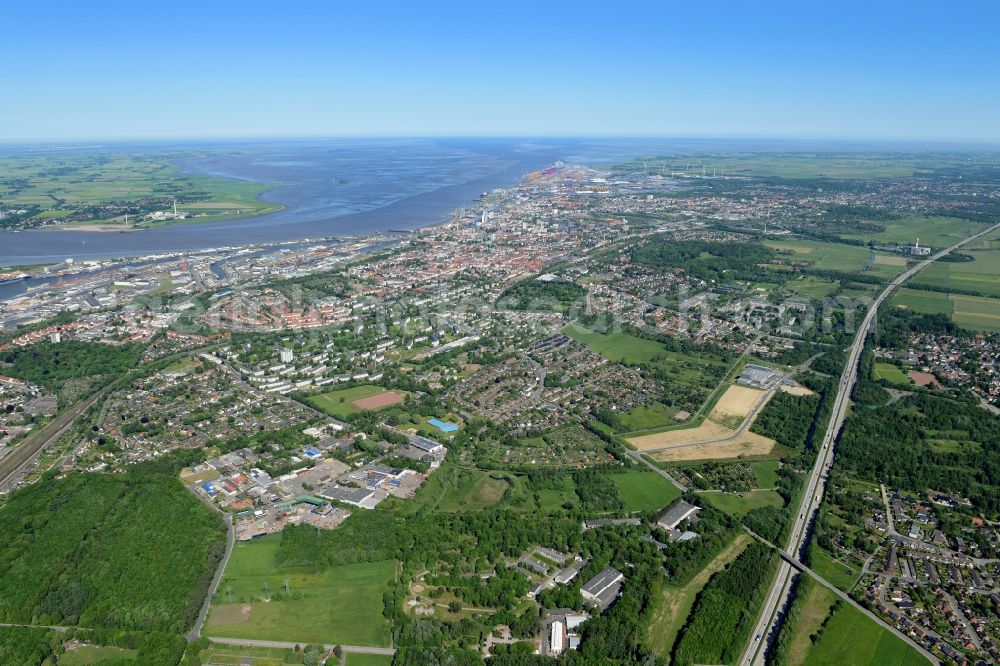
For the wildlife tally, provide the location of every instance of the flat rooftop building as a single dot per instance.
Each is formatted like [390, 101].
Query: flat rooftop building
[677, 513]
[603, 588]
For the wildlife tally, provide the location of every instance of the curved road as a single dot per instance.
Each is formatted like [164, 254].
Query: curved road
[779, 594]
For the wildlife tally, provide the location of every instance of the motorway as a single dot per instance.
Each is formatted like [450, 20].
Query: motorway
[779, 595]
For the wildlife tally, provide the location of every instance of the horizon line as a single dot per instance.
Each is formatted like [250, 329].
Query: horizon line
[240, 138]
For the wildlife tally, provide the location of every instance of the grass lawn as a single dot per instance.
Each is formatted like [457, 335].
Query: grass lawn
[672, 607]
[368, 660]
[766, 473]
[645, 491]
[739, 504]
[616, 346]
[890, 373]
[258, 656]
[853, 638]
[833, 571]
[647, 417]
[341, 604]
[338, 403]
[95, 654]
[814, 605]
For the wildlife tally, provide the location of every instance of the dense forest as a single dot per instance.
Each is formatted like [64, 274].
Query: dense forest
[122, 552]
[703, 259]
[536, 295]
[926, 442]
[27, 646]
[787, 419]
[49, 363]
[723, 612]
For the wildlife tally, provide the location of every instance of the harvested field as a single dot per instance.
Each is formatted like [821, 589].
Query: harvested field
[379, 400]
[736, 402]
[796, 390]
[746, 445]
[707, 430]
[890, 260]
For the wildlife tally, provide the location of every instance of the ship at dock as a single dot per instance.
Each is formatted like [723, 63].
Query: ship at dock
[12, 277]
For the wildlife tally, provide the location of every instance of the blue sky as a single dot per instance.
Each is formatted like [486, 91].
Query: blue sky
[219, 68]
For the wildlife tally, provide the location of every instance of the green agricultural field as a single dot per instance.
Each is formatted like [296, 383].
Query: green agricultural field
[833, 257]
[976, 313]
[645, 490]
[852, 638]
[95, 654]
[890, 373]
[938, 232]
[339, 604]
[981, 275]
[739, 504]
[67, 183]
[930, 302]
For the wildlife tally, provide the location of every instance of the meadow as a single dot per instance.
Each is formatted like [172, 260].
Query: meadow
[645, 490]
[367, 660]
[454, 488]
[739, 504]
[852, 638]
[336, 604]
[931, 302]
[648, 417]
[85, 655]
[793, 166]
[830, 569]
[890, 373]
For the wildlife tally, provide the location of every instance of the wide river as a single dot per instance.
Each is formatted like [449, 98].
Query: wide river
[343, 187]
